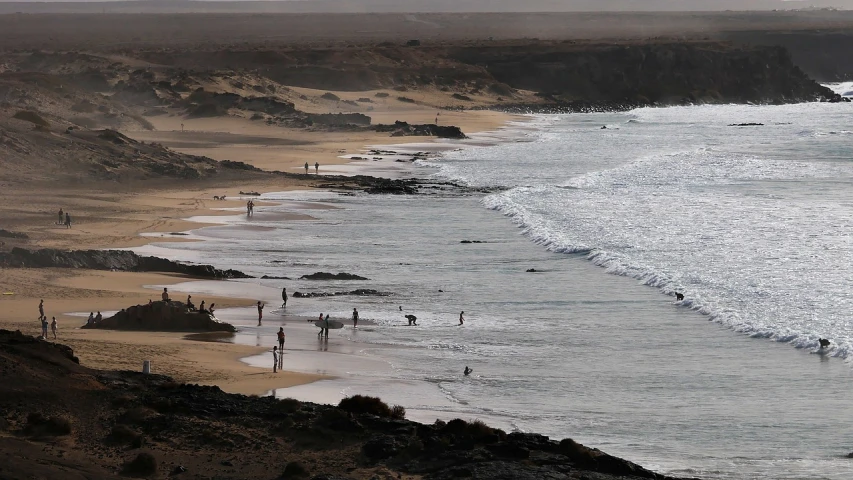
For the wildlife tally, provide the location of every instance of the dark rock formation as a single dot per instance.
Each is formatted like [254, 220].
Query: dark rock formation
[650, 74]
[404, 129]
[331, 276]
[358, 292]
[338, 119]
[17, 235]
[121, 260]
[746, 124]
[162, 317]
[472, 241]
[273, 277]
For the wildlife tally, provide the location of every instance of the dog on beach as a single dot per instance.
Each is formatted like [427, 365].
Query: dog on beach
[679, 296]
[219, 197]
[824, 342]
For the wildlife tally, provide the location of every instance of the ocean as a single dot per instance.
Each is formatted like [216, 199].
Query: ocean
[614, 212]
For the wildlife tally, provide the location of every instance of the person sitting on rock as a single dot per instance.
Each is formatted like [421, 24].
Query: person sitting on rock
[190, 305]
[165, 295]
[98, 317]
[210, 309]
[201, 307]
[91, 319]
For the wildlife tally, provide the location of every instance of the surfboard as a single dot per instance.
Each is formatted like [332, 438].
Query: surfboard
[333, 324]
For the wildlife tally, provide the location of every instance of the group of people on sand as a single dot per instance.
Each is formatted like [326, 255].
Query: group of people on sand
[316, 168]
[44, 323]
[250, 208]
[94, 319]
[64, 218]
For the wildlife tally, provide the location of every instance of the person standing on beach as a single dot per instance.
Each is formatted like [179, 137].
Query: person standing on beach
[306, 168]
[316, 168]
[260, 312]
[354, 318]
[41, 308]
[461, 319]
[67, 220]
[326, 320]
[281, 347]
[53, 327]
[44, 327]
[274, 359]
[283, 297]
[61, 217]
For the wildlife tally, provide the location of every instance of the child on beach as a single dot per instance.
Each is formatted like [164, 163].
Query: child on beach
[53, 327]
[274, 359]
[260, 312]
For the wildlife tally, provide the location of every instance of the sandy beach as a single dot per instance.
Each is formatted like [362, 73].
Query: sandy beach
[127, 216]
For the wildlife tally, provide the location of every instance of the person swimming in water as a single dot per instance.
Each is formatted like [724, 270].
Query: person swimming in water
[467, 371]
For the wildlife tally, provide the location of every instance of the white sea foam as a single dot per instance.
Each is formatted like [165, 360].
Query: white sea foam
[753, 225]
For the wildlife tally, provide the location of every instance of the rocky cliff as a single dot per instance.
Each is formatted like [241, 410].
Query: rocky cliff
[641, 74]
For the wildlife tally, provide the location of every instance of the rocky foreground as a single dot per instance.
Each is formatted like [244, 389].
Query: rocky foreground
[64, 420]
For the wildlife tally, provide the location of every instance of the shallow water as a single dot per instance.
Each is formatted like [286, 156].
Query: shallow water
[751, 223]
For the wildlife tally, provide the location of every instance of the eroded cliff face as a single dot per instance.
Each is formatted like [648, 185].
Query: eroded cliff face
[670, 73]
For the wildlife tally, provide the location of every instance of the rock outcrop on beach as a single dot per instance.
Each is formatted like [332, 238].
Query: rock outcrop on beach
[120, 260]
[404, 129]
[162, 317]
[361, 292]
[331, 276]
[111, 421]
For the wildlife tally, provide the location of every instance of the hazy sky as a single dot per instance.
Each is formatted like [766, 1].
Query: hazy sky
[674, 4]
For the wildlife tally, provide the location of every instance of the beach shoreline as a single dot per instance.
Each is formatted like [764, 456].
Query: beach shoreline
[144, 216]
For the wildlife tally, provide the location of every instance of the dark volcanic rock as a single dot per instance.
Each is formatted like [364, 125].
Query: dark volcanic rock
[331, 276]
[650, 74]
[162, 317]
[358, 292]
[8, 234]
[425, 130]
[121, 260]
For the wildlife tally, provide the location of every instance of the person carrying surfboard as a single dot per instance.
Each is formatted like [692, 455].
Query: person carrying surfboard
[326, 322]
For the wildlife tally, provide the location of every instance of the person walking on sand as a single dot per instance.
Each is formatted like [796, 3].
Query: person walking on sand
[354, 318]
[306, 168]
[274, 359]
[67, 220]
[461, 318]
[61, 217]
[283, 297]
[260, 312]
[53, 327]
[41, 308]
[316, 168]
